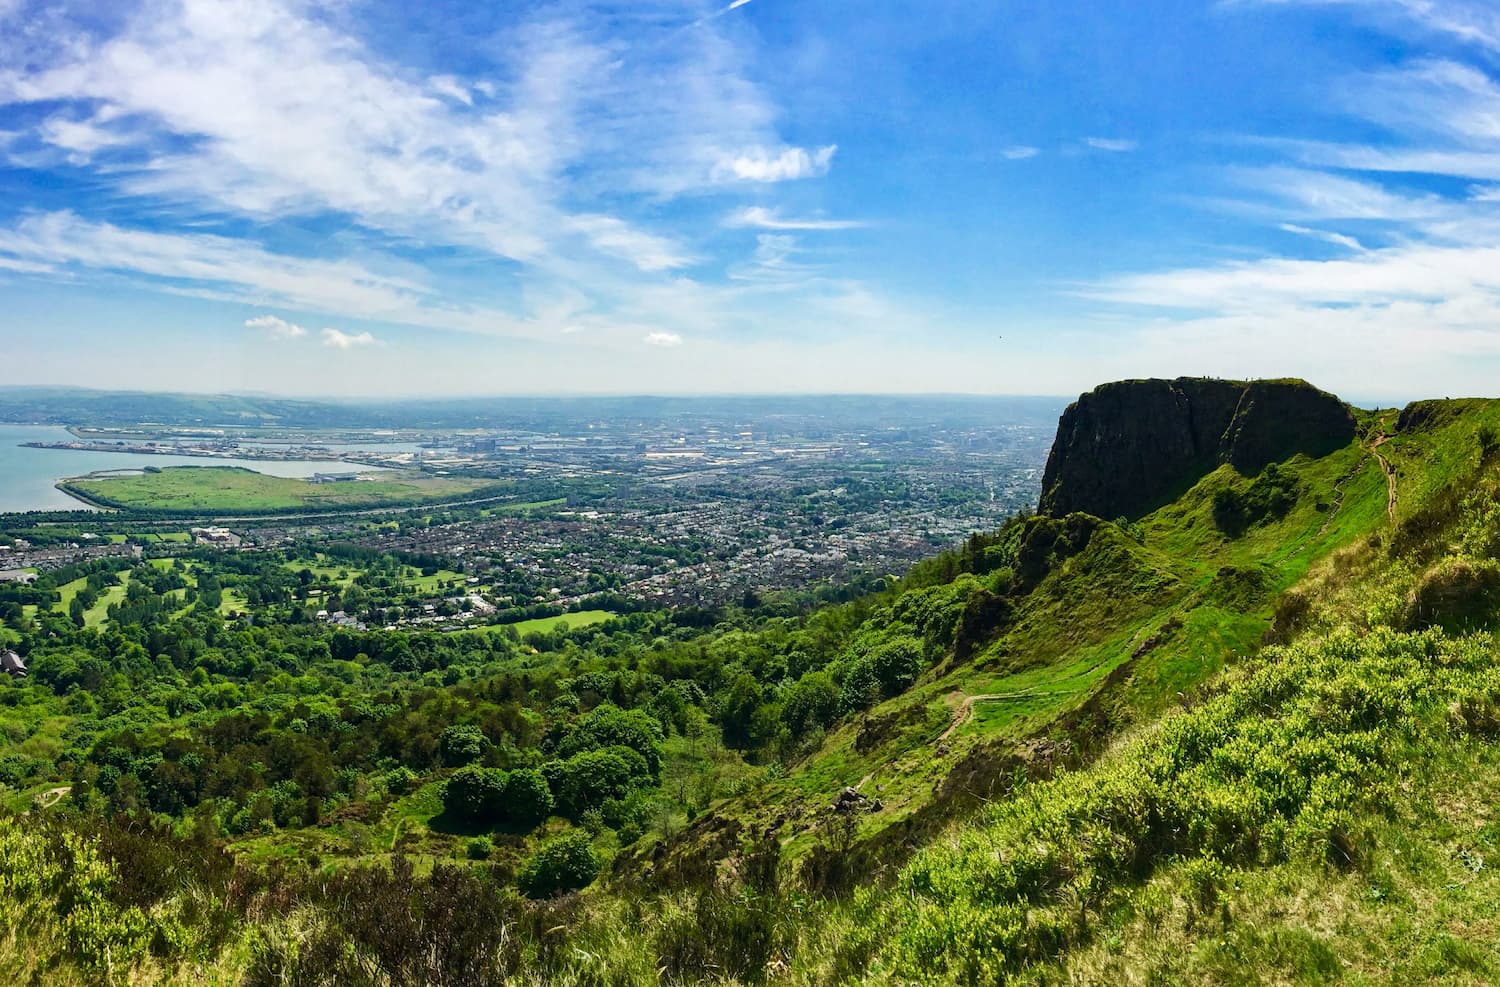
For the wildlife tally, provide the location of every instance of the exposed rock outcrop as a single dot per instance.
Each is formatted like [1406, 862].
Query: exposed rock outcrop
[1127, 448]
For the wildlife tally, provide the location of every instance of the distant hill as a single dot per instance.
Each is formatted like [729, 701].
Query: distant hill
[78, 406]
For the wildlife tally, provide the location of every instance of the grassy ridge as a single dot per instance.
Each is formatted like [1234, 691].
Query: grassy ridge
[223, 490]
[1110, 635]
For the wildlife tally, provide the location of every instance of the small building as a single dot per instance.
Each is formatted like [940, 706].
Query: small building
[334, 477]
[220, 537]
[17, 576]
[12, 665]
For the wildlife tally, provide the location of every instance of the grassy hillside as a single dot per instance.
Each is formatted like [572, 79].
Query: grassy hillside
[1115, 622]
[1252, 737]
[221, 490]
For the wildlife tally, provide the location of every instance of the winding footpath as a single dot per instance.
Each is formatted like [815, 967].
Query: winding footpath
[52, 796]
[1390, 476]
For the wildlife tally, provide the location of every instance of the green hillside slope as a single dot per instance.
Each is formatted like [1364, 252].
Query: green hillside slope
[1252, 736]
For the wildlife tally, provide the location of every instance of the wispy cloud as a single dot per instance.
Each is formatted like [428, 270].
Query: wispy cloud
[1115, 145]
[1420, 286]
[761, 218]
[1020, 152]
[667, 339]
[1337, 239]
[346, 341]
[777, 165]
[551, 164]
[276, 328]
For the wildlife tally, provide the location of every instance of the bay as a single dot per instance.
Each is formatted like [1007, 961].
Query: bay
[27, 476]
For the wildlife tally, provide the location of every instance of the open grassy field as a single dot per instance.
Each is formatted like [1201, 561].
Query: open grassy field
[543, 625]
[210, 490]
[98, 614]
[434, 582]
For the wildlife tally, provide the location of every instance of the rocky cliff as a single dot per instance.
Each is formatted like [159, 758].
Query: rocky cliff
[1127, 448]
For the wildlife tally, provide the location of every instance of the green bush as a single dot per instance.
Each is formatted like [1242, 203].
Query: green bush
[476, 795]
[812, 702]
[586, 781]
[528, 799]
[1269, 498]
[462, 744]
[566, 863]
[610, 726]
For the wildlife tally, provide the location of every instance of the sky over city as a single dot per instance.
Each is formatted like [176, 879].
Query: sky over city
[363, 197]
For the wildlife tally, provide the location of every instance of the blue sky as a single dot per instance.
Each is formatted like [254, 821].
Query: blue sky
[365, 197]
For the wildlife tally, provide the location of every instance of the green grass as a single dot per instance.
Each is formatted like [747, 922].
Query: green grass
[328, 573]
[1239, 827]
[162, 537]
[227, 491]
[431, 584]
[535, 505]
[98, 614]
[1116, 633]
[545, 625]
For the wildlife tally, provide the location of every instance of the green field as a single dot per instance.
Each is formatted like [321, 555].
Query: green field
[211, 490]
[544, 625]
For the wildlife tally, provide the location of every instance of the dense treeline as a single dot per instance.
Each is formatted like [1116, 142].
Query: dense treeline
[231, 727]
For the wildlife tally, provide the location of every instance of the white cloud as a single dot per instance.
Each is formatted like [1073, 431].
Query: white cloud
[1337, 239]
[772, 165]
[1020, 152]
[1417, 273]
[25, 266]
[345, 341]
[758, 217]
[276, 328]
[222, 105]
[235, 268]
[646, 252]
[1115, 145]
[662, 339]
[451, 87]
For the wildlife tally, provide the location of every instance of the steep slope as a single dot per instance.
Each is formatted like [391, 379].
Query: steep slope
[1060, 631]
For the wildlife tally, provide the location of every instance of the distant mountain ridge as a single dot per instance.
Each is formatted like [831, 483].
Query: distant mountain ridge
[1128, 447]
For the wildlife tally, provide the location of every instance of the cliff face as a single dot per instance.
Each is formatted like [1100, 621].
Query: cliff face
[1127, 448]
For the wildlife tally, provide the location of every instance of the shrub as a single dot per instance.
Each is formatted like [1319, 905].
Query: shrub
[587, 780]
[528, 800]
[476, 795]
[610, 726]
[1269, 498]
[812, 702]
[462, 744]
[897, 664]
[566, 863]
[1489, 441]
[389, 926]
